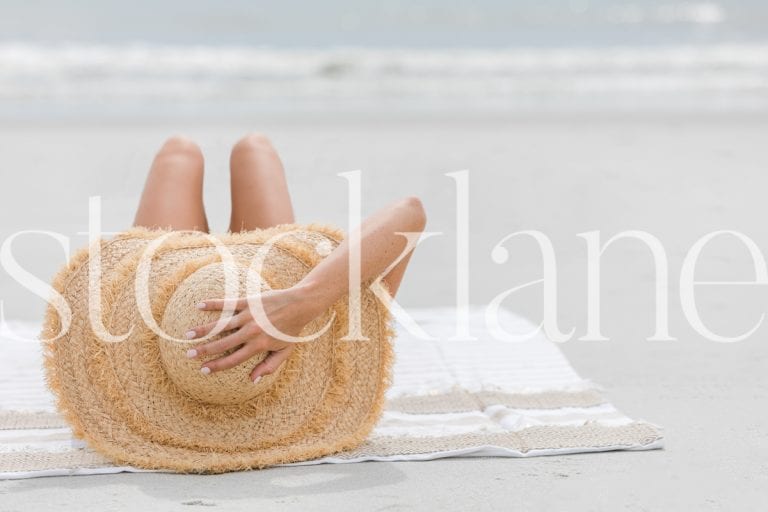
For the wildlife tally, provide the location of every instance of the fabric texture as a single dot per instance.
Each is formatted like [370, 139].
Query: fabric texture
[504, 399]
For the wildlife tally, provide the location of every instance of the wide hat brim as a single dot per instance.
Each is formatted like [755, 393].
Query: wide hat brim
[140, 402]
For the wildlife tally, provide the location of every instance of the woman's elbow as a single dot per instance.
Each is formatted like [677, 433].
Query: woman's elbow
[417, 214]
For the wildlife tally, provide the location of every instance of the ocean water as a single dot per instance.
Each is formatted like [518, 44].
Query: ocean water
[240, 58]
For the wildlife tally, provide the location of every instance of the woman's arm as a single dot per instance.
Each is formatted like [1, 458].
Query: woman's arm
[380, 246]
[289, 310]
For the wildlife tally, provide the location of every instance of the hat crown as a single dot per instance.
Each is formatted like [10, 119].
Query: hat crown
[231, 386]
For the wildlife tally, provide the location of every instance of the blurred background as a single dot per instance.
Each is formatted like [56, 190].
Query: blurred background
[569, 116]
[238, 58]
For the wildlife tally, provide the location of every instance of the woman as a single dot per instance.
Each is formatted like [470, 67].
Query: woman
[173, 198]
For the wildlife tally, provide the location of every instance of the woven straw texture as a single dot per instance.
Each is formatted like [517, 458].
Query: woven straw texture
[141, 402]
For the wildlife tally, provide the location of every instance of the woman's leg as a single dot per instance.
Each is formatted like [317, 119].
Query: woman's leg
[173, 193]
[260, 197]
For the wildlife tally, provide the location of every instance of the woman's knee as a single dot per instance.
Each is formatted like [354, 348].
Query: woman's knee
[254, 142]
[181, 147]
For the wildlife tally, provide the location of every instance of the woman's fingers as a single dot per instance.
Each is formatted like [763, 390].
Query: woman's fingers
[241, 355]
[242, 335]
[216, 304]
[271, 363]
[232, 323]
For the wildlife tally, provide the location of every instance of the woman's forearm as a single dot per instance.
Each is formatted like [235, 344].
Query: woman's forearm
[380, 246]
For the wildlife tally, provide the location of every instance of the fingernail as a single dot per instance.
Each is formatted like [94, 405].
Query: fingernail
[191, 353]
[205, 370]
[201, 305]
[257, 379]
[190, 334]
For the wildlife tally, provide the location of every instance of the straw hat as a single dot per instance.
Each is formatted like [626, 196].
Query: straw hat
[141, 402]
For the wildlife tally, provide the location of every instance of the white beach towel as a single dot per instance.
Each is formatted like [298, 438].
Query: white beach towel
[448, 398]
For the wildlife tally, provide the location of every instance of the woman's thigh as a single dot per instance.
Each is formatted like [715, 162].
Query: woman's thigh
[260, 196]
[173, 193]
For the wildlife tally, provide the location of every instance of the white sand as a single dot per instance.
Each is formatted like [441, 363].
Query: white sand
[676, 177]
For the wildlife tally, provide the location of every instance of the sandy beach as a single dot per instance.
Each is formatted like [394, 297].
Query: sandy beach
[675, 176]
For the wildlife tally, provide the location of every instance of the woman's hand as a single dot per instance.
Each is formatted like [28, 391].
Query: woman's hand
[289, 310]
